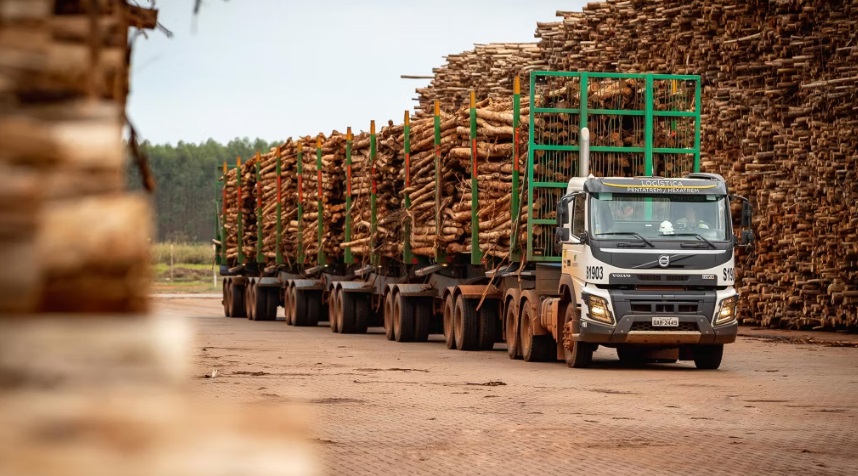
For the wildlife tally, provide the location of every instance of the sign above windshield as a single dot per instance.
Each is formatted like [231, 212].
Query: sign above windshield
[650, 185]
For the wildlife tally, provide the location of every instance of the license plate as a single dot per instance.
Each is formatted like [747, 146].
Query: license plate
[665, 322]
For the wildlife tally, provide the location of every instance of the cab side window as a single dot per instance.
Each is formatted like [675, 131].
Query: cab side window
[578, 215]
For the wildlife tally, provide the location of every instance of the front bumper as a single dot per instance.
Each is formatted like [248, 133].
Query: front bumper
[636, 329]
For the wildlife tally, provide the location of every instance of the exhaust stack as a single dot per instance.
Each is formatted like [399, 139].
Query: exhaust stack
[584, 158]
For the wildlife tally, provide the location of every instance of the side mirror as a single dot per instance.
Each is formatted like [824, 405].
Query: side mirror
[747, 238]
[561, 234]
[747, 214]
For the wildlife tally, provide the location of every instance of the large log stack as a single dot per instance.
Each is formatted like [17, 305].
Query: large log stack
[779, 79]
[489, 70]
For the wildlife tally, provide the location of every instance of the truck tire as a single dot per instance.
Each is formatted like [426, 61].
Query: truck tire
[346, 313]
[388, 316]
[272, 302]
[513, 340]
[449, 328]
[533, 348]
[249, 301]
[259, 305]
[578, 355]
[226, 298]
[708, 357]
[237, 308]
[466, 324]
[335, 311]
[422, 319]
[289, 305]
[489, 324]
[361, 303]
[308, 306]
[403, 319]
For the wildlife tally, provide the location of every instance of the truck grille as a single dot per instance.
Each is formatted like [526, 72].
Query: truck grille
[663, 308]
[648, 327]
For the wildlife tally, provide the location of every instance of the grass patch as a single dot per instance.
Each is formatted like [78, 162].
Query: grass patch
[184, 287]
[184, 253]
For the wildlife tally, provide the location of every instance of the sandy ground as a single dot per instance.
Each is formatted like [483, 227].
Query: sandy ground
[782, 403]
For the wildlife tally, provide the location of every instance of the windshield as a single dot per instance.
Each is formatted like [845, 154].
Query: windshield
[672, 217]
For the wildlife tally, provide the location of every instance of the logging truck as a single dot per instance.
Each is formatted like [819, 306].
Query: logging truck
[619, 240]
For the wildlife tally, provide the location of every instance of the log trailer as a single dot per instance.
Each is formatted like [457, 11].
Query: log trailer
[606, 251]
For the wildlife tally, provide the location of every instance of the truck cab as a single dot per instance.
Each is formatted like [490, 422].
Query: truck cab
[651, 264]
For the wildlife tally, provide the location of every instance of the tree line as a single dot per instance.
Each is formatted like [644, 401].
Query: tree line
[186, 184]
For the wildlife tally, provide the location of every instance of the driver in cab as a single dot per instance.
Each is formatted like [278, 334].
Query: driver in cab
[689, 220]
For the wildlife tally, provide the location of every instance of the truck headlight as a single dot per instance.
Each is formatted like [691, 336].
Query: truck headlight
[599, 310]
[726, 311]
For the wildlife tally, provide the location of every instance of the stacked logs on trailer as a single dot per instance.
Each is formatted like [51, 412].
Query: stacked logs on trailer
[359, 186]
[442, 221]
[390, 178]
[488, 70]
[241, 199]
[779, 81]
[324, 189]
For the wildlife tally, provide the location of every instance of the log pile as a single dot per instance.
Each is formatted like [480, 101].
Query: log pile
[360, 187]
[390, 177]
[488, 69]
[778, 84]
[71, 239]
[325, 186]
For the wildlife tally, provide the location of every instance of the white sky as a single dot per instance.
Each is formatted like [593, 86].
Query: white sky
[280, 68]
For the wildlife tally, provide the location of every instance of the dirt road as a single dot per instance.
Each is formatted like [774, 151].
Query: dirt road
[388, 408]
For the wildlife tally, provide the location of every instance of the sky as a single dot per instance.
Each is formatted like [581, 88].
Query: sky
[279, 68]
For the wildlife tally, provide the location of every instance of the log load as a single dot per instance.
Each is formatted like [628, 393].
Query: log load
[779, 84]
[779, 81]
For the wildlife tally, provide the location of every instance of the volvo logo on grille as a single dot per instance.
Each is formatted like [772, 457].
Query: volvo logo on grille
[664, 261]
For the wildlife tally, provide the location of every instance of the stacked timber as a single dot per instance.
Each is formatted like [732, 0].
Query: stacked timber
[359, 186]
[390, 179]
[779, 80]
[488, 69]
[324, 189]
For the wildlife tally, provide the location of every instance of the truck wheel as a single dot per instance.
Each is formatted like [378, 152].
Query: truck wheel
[708, 357]
[289, 305]
[489, 323]
[449, 328]
[249, 301]
[308, 307]
[272, 302]
[260, 302]
[578, 355]
[237, 308]
[513, 341]
[226, 298]
[466, 324]
[422, 319]
[533, 348]
[388, 316]
[346, 313]
[403, 319]
[361, 303]
[335, 311]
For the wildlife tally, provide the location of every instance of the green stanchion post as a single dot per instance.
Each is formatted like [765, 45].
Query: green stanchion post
[515, 206]
[476, 254]
[321, 217]
[407, 257]
[300, 235]
[260, 257]
[240, 236]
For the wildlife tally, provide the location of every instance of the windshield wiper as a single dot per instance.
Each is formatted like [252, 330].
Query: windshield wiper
[698, 236]
[630, 233]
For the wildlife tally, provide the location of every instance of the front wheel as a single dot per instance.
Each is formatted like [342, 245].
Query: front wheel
[578, 355]
[708, 357]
